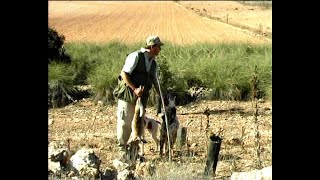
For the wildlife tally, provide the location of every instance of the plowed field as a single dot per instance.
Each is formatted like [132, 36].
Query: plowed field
[133, 21]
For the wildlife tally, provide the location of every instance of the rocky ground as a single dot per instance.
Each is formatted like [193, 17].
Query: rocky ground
[93, 125]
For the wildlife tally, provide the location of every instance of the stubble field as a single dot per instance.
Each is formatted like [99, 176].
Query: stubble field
[132, 21]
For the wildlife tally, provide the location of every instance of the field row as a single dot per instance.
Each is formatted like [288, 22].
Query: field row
[132, 22]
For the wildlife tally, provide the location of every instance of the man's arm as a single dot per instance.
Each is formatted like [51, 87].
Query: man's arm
[129, 66]
[126, 78]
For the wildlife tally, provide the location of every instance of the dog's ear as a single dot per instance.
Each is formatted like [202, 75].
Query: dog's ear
[165, 100]
[163, 118]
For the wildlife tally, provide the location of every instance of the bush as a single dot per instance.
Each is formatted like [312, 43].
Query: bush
[60, 85]
[56, 50]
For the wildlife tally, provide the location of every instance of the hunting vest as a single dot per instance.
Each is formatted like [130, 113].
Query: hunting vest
[140, 76]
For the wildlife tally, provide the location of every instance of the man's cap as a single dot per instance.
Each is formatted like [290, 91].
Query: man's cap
[152, 40]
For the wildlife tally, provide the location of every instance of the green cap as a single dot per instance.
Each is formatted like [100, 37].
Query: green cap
[152, 40]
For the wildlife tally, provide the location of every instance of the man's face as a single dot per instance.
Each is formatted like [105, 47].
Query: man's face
[155, 49]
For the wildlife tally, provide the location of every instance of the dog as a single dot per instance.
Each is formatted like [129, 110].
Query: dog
[138, 126]
[152, 126]
[173, 126]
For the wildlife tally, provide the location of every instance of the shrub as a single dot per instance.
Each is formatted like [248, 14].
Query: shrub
[56, 50]
[60, 85]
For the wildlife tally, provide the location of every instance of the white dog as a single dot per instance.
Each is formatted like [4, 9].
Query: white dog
[152, 126]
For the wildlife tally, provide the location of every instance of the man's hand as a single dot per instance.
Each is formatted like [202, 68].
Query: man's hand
[139, 91]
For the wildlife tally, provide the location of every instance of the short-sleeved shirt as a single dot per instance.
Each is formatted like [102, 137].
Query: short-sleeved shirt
[132, 60]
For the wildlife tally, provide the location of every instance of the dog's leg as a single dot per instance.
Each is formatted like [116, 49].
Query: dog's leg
[162, 140]
[153, 133]
[157, 143]
[171, 146]
[161, 146]
[155, 136]
[141, 144]
[143, 141]
[166, 147]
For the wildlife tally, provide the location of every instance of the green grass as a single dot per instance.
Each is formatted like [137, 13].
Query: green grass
[61, 80]
[224, 70]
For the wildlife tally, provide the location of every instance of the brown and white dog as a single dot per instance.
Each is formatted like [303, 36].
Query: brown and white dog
[173, 122]
[152, 126]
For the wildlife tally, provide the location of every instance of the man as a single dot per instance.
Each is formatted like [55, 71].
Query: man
[138, 74]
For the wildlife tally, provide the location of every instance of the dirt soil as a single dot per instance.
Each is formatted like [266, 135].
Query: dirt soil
[179, 23]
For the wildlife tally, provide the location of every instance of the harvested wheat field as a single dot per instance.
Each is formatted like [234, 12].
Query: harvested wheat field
[132, 21]
[256, 18]
[93, 125]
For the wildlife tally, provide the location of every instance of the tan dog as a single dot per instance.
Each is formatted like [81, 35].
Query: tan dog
[138, 126]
